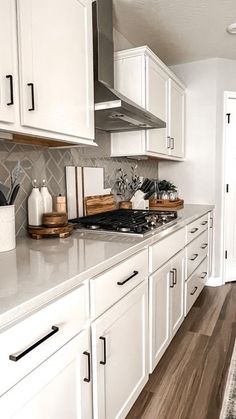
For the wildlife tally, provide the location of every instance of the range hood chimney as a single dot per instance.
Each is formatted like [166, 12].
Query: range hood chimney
[113, 111]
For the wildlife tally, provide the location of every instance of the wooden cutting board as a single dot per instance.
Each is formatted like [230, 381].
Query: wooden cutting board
[99, 203]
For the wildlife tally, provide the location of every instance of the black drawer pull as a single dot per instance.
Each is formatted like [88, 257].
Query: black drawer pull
[126, 280]
[172, 280]
[204, 245]
[175, 276]
[194, 230]
[204, 223]
[195, 255]
[31, 85]
[104, 351]
[88, 379]
[9, 76]
[193, 292]
[15, 358]
[204, 274]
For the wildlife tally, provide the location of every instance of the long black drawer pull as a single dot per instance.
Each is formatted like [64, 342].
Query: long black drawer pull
[204, 274]
[15, 358]
[194, 230]
[195, 255]
[175, 276]
[104, 351]
[31, 85]
[172, 280]
[128, 279]
[204, 245]
[204, 223]
[193, 292]
[9, 76]
[88, 379]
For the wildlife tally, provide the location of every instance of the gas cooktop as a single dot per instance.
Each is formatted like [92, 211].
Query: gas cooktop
[136, 222]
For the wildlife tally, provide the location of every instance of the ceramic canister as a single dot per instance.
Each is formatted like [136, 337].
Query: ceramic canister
[7, 228]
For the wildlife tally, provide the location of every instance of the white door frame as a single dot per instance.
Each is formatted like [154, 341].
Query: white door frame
[227, 95]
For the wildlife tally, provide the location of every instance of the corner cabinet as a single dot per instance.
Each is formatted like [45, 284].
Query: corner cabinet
[144, 79]
[52, 82]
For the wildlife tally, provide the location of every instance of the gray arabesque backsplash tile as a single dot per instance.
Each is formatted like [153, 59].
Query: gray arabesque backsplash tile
[38, 163]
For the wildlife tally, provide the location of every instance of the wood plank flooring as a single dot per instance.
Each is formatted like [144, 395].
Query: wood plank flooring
[189, 381]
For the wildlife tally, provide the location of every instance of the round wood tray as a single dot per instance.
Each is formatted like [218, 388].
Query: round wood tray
[42, 232]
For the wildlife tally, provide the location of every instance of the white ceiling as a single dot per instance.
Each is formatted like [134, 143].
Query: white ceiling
[178, 30]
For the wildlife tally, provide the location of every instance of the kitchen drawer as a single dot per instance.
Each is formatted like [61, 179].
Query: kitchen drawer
[194, 285]
[113, 284]
[69, 314]
[196, 228]
[196, 251]
[162, 251]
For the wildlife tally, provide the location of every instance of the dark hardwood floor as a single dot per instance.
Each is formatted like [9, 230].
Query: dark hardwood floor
[189, 381]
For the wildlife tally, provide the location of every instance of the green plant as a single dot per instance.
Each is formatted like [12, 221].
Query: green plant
[166, 186]
[125, 187]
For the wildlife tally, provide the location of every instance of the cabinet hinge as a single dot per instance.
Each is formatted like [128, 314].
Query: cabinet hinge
[226, 254]
[228, 117]
[227, 188]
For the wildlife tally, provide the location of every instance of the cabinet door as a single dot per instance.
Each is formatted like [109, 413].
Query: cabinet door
[159, 314]
[177, 292]
[8, 64]
[56, 70]
[176, 119]
[56, 389]
[119, 343]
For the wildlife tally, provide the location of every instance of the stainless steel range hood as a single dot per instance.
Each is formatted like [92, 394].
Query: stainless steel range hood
[113, 111]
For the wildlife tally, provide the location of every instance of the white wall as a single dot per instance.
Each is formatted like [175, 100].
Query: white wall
[120, 42]
[200, 178]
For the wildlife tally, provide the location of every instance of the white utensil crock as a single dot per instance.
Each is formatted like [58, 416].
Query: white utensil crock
[7, 228]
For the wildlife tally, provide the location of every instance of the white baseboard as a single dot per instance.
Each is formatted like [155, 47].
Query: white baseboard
[215, 281]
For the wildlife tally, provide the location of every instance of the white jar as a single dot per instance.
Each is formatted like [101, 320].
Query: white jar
[47, 199]
[35, 206]
[7, 228]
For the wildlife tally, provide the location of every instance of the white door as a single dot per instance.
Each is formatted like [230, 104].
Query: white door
[176, 119]
[230, 192]
[159, 313]
[8, 62]
[177, 292]
[119, 346]
[60, 388]
[56, 67]
[156, 103]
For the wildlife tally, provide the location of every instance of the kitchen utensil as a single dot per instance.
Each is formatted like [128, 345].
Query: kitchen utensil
[5, 190]
[44, 232]
[55, 219]
[14, 194]
[3, 200]
[59, 203]
[99, 203]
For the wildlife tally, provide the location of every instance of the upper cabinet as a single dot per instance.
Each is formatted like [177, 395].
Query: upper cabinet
[55, 68]
[143, 78]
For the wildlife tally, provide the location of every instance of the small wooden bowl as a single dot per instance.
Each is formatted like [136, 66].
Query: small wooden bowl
[55, 219]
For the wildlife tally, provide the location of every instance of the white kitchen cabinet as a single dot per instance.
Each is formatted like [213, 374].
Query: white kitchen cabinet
[8, 64]
[166, 306]
[59, 388]
[144, 79]
[210, 240]
[120, 349]
[55, 63]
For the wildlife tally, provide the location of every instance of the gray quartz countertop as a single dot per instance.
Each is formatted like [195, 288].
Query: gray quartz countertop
[37, 272]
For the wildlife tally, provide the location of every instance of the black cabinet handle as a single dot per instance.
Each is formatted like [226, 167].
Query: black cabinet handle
[172, 276]
[204, 223]
[126, 280]
[195, 255]
[175, 276]
[194, 230]
[31, 85]
[104, 351]
[204, 245]
[88, 379]
[9, 76]
[204, 274]
[16, 357]
[193, 292]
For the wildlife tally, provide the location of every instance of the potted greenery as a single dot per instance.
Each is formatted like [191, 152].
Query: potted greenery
[125, 188]
[168, 190]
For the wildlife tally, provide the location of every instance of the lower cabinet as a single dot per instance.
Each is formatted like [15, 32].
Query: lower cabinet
[166, 306]
[120, 355]
[59, 388]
